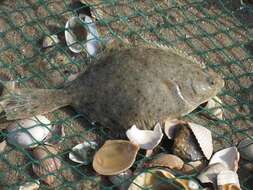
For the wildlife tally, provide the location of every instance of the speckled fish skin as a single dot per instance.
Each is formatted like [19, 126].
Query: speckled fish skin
[142, 86]
[134, 85]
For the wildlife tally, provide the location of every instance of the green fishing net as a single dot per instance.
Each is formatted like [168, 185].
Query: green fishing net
[216, 33]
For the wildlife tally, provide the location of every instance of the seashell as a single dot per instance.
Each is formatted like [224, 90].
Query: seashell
[229, 157]
[156, 179]
[245, 148]
[95, 11]
[192, 167]
[48, 163]
[30, 186]
[227, 177]
[2, 146]
[83, 152]
[28, 133]
[81, 35]
[56, 135]
[229, 187]
[50, 41]
[146, 139]
[122, 180]
[209, 174]
[167, 160]
[192, 142]
[214, 108]
[170, 127]
[115, 157]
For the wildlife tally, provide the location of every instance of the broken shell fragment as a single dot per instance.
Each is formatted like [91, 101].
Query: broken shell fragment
[81, 35]
[245, 148]
[30, 186]
[83, 152]
[114, 157]
[122, 180]
[28, 133]
[167, 160]
[229, 157]
[227, 177]
[50, 41]
[48, 163]
[209, 174]
[192, 142]
[214, 108]
[146, 139]
[159, 179]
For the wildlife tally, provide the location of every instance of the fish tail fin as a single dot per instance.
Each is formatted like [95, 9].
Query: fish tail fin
[24, 103]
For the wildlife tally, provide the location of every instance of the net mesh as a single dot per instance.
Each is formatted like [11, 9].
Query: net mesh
[217, 33]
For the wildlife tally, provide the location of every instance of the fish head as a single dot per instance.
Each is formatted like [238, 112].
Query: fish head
[201, 86]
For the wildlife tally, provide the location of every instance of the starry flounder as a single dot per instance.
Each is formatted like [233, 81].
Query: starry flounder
[132, 85]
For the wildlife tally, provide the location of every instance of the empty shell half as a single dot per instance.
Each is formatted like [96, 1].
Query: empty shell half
[81, 35]
[83, 152]
[48, 163]
[167, 160]
[227, 177]
[159, 179]
[115, 157]
[245, 148]
[229, 157]
[146, 139]
[28, 132]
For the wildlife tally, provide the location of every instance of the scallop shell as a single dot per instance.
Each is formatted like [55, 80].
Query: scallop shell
[209, 174]
[88, 31]
[83, 152]
[245, 148]
[167, 160]
[229, 157]
[214, 107]
[115, 157]
[122, 180]
[146, 139]
[48, 163]
[50, 41]
[202, 134]
[30, 186]
[28, 133]
[227, 177]
[155, 179]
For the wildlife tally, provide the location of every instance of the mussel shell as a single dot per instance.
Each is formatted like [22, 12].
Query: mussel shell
[185, 144]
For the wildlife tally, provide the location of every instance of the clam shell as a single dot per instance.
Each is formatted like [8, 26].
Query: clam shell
[48, 163]
[89, 32]
[192, 167]
[115, 157]
[215, 108]
[28, 132]
[30, 186]
[204, 138]
[227, 177]
[209, 174]
[229, 157]
[170, 126]
[167, 160]
[122, 180]
[83, 152]
[50, 41]
[156, 179]
[245, 148]
[146, 139]
[229, 187]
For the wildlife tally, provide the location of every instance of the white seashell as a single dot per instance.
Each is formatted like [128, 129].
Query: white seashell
[83, 152]
[50, 41]
[245, 148]
[28, 132]
[227, 177]
[170, 126]
[146, 139]
[91, 43]
[209, 174]
[204, 138]
[2, 146]
[229, 157]
[122, 180]
[30, 186]
[215, 108]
